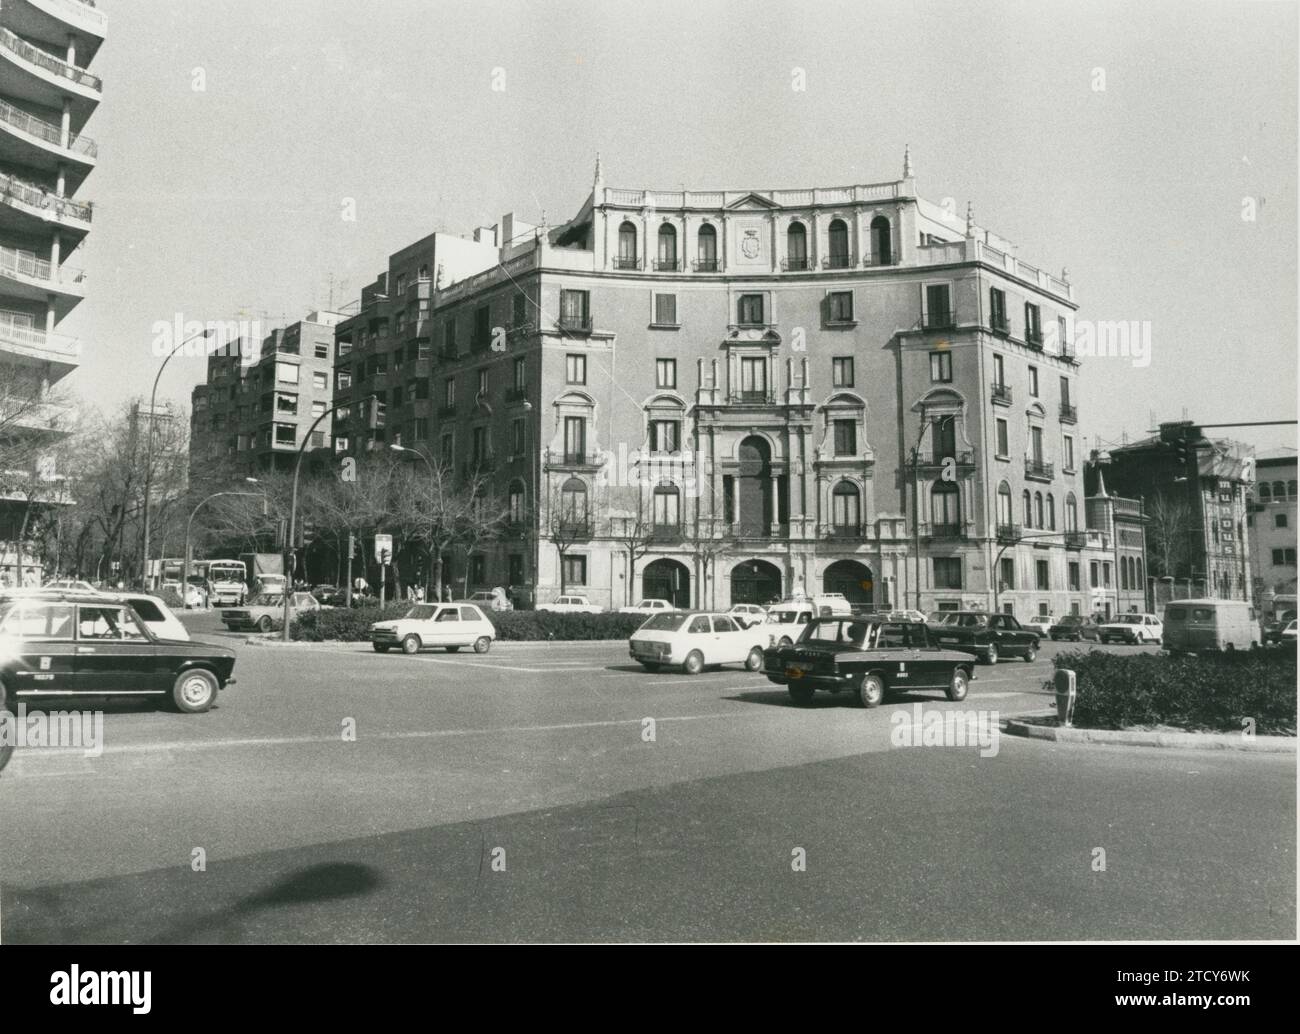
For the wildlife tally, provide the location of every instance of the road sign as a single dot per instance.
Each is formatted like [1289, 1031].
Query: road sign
[383, 548]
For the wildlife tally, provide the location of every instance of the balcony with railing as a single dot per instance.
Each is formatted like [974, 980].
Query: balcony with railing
[40, 203]
[667, 265]
[1076, 539]
[626, 262]
[1039, 470]
[37, 344]
[47, 135]
[77, 12]
[27, 269]
[755, 397]
[940, 458]
[567, 459]
[842, 532]
[1034, 338]
[517, 394]
[17, 47]
[666, 535]
[706, 265]
[574, 323]
[572, 529]
[945, 530]
[1001, 394]
[837, 261]
[999, 324]
[939, 319]
[1009, 533]
[796, 265]
[1069, 414]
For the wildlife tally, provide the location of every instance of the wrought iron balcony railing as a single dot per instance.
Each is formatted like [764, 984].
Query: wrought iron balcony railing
[839, 262]
[576, 324]
[36, 56]
[1001, 393]
[667, 265]
[706, 265]
[1039, 469]
[1009, 533]
[939, 319]
[1069, 413]
[947, 531]
[624, 262]
[796, 265]
[761, 397]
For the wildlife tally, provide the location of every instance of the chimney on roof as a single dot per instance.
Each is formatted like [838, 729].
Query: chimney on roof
[970, 221]
[599, 181]
[907, 162]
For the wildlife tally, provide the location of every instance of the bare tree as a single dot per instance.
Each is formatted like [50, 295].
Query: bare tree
[1169, 527]
[706, 537]
[634, 530]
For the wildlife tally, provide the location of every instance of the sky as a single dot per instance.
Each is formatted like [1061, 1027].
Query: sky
[1150, 148]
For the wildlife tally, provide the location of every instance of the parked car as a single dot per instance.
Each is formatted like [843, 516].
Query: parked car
[69, 585]
[1274, 629]
[748, 614]
[1076, 628]
[904, 615]
[1040, 623]
[694, 641]
[786, 620]
[647, 607]
[868, 656]
[988, 636]
[491, 600]
[1132, 628]
[1289, 633]
[1194, 626]
[570, 605]
[266, 610]
[87, 644]
[447, 625]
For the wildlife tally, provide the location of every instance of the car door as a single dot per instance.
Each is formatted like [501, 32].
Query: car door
[929, 670]
[446, 629]
[114, 654]
[730, 644]
[47, 650]
[699, 636]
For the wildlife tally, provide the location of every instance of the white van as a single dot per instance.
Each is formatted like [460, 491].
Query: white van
[1196, 625]
[786, 620]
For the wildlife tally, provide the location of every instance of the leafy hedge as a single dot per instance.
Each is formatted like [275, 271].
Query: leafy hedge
[1205, 693]
[518, 625]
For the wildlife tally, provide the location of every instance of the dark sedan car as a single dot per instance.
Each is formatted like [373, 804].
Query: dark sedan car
[88, 645]
[867, 657]
[988, 636]
[1075, 627]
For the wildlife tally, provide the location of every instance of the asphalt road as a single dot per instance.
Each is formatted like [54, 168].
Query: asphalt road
[337, 795]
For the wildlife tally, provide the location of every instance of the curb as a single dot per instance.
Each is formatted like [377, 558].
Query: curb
[1118, 737]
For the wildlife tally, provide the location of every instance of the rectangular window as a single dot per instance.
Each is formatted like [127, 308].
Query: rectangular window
[318, 439]
[1105, 574]
[750, 310]
[420, 432]
[999, 371]
[842, 371]
[318, 409]
[520, 374]
[575, 369]
[449, 337]
[286, 373]
[516, 506]
[344, 380]
[1094, 574]
[941, 367]
[1033, 381]
[1033, 328]
[753, 378]
[665, 435]
[449, 393]
[482, 382]
[665, 373]
[1008, 574]
[666, 310]
[1042, 575]
[285, 434]
[1004, 446]
[947, 572]
[1074, 576]
[575, 313]
[1067, 452]
[517, 436]
[448, 448]
[321, 350]
[846, 440]
[575, 439]
[1065, 391]
[998, 310]
[320, 381]
[286, 405]
[666, 509]
[482, 327]
[478, 444]
[1036, 444]
[839, 306]
[575, 571]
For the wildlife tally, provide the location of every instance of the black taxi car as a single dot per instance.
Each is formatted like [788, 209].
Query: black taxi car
[86, 644]
[988, 636]
[868, 656]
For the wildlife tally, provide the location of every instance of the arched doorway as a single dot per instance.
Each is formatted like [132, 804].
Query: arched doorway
[669, 580]
[755, 581]
[852, 579]
[753, 486]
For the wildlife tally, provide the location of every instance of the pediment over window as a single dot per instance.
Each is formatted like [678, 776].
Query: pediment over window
[752, 202]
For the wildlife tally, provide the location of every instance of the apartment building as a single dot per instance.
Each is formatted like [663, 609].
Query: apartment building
[47, 95]
[724, 396]
[1272, 520]
[256, 412]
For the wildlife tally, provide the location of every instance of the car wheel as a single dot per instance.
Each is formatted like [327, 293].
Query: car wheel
[452, 649]
[694, 663]
[482, 644]
[992, 656]
[380, 647]
[959, 686]
[801, 694]
[411, 644]
[650, 665]
[871, 691]
[755, 660]
[1031, 653]
[264, 624]
[194, 691]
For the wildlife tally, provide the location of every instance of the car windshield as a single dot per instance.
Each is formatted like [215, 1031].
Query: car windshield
[1130, 619]
[835, 630]
[421, 612]
[268, 599]
[663, 623]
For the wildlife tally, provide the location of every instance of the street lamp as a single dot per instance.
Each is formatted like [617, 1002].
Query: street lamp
[433, 476]
[185, 576]
[148, 461]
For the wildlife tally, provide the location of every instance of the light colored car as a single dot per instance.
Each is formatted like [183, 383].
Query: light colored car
[70, 585]
[570, 605]
[786, 620]
[491, 599]
[695, 641]
[1132, 628]
[1042, 624]
[749, 614]
[156, 614]
[904, 615]
[446, 625]
[648, 607]
[266, 609]
[1289, 633]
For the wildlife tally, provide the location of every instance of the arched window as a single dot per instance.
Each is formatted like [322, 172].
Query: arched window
[667, 248]
[573, 503]
[880, 241]
[667, 507]
[1005, 516]
[517, 498]
[796, 246]
[1051, 512]
[1038, 510]
[945, 505]
[626, 246]
[1265, 493]
[1279, 490]
[706, 243]
[1123, 572]
[1290, 489]
[1140, 583]
[1071, 513]
[846, 513]
[1028, 509]
[838, 238]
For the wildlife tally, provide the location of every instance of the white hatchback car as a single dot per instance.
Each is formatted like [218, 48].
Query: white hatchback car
[748, 614]
[695, 641]
[648, 607]
[570, 605]
[448, 625]
[1132, 628]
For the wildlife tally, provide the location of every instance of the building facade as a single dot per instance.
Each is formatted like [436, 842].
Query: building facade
[255, 415]
[1272, 523]
[731, 396]
[1194, 493]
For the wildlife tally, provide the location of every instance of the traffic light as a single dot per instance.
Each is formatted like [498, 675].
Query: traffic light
[1181, 451]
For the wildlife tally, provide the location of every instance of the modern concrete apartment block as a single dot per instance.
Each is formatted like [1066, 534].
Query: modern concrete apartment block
[1272, 521]
[724, 396]
[47, 95]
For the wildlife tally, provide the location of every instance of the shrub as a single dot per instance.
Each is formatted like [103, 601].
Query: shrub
[1203, 693]
[512, 625]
